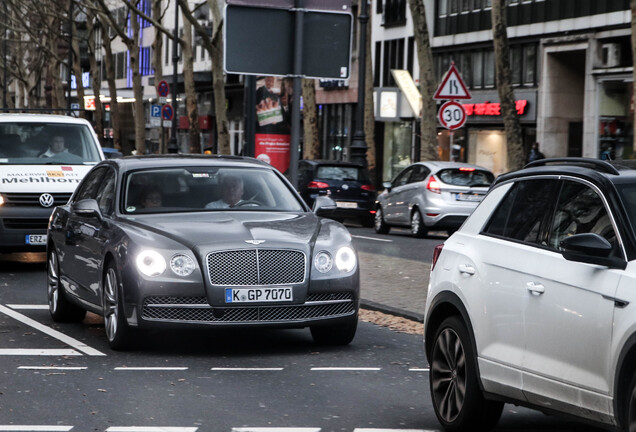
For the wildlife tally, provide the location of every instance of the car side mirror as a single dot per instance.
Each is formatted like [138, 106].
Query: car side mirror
[590, 248]
[323, 205]
[387, 186]
[87, 207]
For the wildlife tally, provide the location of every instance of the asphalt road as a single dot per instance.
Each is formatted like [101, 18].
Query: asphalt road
[65, 378]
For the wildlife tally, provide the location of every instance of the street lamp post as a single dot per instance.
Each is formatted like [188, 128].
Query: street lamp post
[173, 146]
[358, 145]
[5, 82]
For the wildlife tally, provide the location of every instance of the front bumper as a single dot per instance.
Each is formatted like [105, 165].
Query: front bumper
[16, 223]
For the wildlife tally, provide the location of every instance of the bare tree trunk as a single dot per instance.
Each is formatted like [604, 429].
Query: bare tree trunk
[428, 149]
[369, 115]
[96, 77]
[190, 90]
[218, 79]
[514, 143]
[77, 70]
[157, 44]
[633, 7]
[112, 89]
[311, 147]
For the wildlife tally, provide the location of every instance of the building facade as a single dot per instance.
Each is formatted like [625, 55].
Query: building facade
[571, 70]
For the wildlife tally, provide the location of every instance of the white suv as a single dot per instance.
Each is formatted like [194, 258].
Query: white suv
[43, 157]
[533, 300]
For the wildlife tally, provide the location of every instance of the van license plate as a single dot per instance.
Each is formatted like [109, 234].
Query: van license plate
[36, 239]
[253, 295]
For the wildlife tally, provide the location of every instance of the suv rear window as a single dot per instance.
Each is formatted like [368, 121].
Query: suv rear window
[327, 172]
[466, 177]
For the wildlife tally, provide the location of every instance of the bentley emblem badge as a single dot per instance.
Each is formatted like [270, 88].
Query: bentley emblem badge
[255, 242]
[46, 200]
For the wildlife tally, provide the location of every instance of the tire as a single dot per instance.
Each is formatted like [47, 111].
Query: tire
[381, 227]
[117, 331]
[457, 399]
[418, 229]
[60, 308]
[335, 335]
[629, 404]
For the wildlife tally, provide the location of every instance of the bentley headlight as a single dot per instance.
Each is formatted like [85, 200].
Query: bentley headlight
[345, 259]
[151, 263]
[323, 262]
[182, 265]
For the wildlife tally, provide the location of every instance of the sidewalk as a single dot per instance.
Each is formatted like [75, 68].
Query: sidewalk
[392, 285]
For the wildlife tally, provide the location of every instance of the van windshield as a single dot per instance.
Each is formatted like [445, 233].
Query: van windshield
[31, 143]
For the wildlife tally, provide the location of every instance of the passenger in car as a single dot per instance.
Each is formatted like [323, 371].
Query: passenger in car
[151, 197]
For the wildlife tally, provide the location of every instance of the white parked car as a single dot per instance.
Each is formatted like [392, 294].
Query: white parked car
[533, 300]
[43, 158]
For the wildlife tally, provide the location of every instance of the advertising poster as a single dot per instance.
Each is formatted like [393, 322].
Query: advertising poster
[273, 121]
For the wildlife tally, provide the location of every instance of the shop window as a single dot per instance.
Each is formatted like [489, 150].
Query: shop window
[615, 121]
[397, 148]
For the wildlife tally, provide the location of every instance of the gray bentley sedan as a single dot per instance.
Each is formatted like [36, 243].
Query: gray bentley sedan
[190, 240]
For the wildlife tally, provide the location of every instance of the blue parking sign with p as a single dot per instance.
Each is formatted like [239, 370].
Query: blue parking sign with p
[155, 111]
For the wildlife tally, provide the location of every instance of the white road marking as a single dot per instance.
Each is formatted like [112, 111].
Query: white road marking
[34, 428]
[345, 369]
[394, 430]
[38, 352]
[69, 368]
[246, 369]
[419, 369]
[28, 306]
[150, 429]
[372, 238]
[141, 368]
[275, 429]
[80, 346]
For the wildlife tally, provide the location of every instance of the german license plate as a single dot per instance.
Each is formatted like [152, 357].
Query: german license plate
[346, 204]
[36, 239]
[253, 295]
[468, 197]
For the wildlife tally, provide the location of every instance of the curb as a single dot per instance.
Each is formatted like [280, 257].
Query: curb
[370, 305]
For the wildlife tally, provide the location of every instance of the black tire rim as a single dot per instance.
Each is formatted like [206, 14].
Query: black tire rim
[448, 375]
[111, 311]
[53, 283]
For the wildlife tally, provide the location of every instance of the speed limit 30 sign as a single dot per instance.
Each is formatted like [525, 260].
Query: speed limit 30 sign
[452, 115]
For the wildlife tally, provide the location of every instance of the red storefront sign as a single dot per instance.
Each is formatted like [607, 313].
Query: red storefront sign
[493, 108]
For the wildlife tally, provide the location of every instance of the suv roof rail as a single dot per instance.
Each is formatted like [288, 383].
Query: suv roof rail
[597, 164]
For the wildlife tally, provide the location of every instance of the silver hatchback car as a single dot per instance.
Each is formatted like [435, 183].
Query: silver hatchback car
[431, 196]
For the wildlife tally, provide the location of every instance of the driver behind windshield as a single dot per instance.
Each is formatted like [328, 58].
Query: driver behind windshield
[232, 190]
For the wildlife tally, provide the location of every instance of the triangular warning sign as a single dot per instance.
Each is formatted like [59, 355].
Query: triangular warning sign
[452, 86]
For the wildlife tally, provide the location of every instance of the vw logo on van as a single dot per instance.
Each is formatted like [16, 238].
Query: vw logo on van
[46, 200]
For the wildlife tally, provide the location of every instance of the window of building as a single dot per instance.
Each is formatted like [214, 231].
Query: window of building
[465, 68]
[478, 69]
[378, 6]
[442, 7]
[529, 64]
[515, 65]
[487, 4]
[489, 68]
[466, 5]
[120, 65]
[477, 5]
[410, 56]
[452, 6]
[167, 45]
[393, 59]
[394, 12]
[377, 67]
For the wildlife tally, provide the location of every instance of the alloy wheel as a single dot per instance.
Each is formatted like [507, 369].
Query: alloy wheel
[111, 303]
[53, 283]
[448, 375]
[378, 219]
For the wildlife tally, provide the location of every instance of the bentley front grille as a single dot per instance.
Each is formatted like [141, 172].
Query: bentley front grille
[197, 310]
[247, 267]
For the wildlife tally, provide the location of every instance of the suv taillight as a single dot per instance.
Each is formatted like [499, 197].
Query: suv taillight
[368, 187]
[317, 185]
[436, 253]
[433, 185]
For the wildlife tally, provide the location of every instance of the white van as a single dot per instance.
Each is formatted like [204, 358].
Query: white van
[43, 157]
